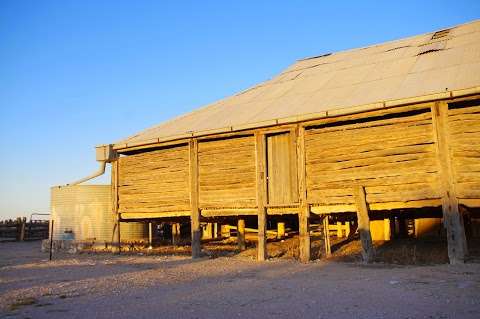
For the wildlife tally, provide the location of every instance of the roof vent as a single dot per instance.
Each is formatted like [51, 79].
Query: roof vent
[432, 47]
[437, 42]
[441, 34]
[398, 48]
[316, 57]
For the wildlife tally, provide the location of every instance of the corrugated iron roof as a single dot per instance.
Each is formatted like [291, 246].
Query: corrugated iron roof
[446, 60]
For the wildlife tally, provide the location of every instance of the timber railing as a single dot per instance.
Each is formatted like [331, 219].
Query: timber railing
[22, 230]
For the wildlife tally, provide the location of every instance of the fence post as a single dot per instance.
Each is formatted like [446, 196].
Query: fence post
[51, 240]
[22, 228]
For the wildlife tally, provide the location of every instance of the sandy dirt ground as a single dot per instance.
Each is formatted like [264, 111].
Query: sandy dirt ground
[152, 286]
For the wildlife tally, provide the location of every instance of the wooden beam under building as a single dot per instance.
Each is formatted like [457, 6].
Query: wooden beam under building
[453, 220]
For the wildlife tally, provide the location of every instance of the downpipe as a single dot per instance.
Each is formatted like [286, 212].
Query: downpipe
[100, 171]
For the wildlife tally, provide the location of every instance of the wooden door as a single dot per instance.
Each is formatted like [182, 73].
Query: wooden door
[281, 169]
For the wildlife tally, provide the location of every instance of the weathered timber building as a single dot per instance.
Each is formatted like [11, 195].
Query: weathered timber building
[387, 129]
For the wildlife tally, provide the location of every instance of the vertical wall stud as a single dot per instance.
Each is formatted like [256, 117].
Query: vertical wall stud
[453, 220]
[261, 196]
[195, 211]
[304, 208]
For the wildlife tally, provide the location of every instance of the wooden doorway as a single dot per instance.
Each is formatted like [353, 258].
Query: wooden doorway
[281, 169]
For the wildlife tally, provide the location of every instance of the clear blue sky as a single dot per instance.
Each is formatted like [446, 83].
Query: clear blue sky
[74, 74]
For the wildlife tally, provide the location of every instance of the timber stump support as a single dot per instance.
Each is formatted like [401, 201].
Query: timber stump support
[280, 230]
[262, 235]
[241, 234]
[208, 231]
[368, 252]
[176, 234]
[225, 231]
[304, 234]
[387, 233]
[150, 235]
[195, 211]
[326, 236]
[119, 240]
[452, 219]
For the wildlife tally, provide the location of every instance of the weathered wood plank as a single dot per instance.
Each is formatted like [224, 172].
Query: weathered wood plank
[154, 181]
[368, 252]
[304, 208]
[326, 236]
[194, 204]
[241, 234]
[260, 155]
[227, 172]
[380, 122]
[313, 157]
[457, 245]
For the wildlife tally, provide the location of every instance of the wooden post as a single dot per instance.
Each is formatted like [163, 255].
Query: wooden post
[115, 183]
[205, 231]
[176, 234]
[51, 239]
[262, 235]
[453, 221]
[195, 211]
[304, 234]
[339, 230]
[392, 227]
[304, 209]
[119, 240]
[208, 234]
[280, 230]
[326, 237]
[18, 225]
[225, 231]
[364, 224]
[241, 234]
[347, 229]
[402, 227]
[21, 223]
[215, 230]
[150, 235]
[386, 229]
[260, 155]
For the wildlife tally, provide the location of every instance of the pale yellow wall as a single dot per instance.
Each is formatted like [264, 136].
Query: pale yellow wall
[86, 210]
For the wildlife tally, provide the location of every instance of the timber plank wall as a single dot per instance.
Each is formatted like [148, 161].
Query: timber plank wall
[393, 156]
[464, 130]
[391, 152]
[227, 172]
[156, 181]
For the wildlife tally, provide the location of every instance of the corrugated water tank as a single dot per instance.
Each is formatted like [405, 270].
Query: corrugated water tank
[84, 212]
